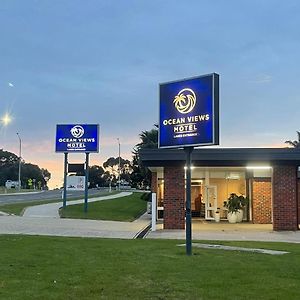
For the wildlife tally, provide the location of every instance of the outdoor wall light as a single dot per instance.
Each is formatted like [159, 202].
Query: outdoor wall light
[258, 167]
[192, 167]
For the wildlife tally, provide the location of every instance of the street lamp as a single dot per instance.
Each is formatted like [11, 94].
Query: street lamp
[119, 163]
[6, 119]
[20, 148]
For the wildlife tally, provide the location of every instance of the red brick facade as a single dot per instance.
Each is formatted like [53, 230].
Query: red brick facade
[261, 201]
[285, 216]
[174, 200]
[298, 201]
[272, 201]
[154, 182]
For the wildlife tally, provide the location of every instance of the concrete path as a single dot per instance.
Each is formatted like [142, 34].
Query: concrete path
[211, 232]
[72, 227]
[44, 220]
[50, 210]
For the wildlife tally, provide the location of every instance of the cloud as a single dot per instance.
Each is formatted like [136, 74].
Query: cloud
[262, 78]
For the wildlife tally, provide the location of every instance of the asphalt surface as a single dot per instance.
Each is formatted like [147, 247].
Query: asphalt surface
[43, 195]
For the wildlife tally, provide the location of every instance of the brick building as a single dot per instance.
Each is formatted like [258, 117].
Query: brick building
[268, 177]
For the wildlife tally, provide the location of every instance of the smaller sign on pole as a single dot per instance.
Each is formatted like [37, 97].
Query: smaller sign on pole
[76, 138]
[81, 138]
[75, 183]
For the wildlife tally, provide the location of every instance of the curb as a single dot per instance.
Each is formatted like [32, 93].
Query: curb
[142, 233]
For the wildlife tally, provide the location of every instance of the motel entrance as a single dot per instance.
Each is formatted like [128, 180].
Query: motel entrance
[268, 177]
[211, 187]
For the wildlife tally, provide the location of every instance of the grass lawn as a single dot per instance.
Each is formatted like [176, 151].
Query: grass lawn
[18, 208]
[120, 209]
[35, 267]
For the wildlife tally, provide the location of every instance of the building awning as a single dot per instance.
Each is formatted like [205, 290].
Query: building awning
[222, 157]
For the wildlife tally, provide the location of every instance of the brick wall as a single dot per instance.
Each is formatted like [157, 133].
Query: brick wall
[174, 201]
[298, 201]
[261, 201]
[285, 198]
[154, 182]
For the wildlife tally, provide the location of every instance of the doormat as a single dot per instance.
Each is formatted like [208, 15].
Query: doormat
[231, 248]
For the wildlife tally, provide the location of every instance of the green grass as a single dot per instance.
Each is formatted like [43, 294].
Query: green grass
[120, 209]
[18, 207]
[79, 268]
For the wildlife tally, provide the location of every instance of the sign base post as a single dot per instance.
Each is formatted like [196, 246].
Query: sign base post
[65, 180]
[86, 182]
[188, 217]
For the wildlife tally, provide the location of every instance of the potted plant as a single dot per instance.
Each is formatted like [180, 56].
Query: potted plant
[243, 202]
[234, 205]
[217, 215]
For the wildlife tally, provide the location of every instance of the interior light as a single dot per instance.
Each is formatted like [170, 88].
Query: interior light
[258, 167]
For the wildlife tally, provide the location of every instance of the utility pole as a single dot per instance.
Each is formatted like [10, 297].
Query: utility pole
[20, 158]
[119, 164]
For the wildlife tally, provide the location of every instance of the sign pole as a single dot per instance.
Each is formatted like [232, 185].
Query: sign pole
[188, 218]
[65, 180]
[86, 182]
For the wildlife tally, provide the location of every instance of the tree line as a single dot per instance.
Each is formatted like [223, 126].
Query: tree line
[9, 170]
[132, 172]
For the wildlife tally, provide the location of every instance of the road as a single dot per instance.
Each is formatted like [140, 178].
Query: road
[45, 195]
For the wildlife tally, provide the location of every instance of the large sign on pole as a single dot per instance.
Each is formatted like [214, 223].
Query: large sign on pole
[189, 112]
[189, 117]
[77, 138]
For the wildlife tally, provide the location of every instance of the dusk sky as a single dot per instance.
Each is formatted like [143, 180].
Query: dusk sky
[102, 61]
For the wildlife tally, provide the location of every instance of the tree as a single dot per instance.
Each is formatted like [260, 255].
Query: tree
[141, 176]
[112, 166]
[34, 173]
[46, 175]
[9, 167]
[294, 144]
[149, 139]
[96, 176]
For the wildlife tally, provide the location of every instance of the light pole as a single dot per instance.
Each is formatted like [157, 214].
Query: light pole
[20, 153]
[6, 119]
[119, 163]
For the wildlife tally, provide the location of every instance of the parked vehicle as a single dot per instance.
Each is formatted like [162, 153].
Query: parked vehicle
[10, 184]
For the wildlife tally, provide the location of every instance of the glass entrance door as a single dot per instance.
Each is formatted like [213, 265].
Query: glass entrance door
[210, 202]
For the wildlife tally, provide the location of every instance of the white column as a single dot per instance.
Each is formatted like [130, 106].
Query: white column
[154, 212]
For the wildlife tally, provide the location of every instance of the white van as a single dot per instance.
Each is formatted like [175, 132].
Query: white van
[9, 184]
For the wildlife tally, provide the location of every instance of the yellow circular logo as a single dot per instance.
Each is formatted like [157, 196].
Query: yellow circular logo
[185, 101]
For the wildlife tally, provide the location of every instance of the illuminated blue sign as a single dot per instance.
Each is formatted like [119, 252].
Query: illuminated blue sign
[189, 112]
[77, 138]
